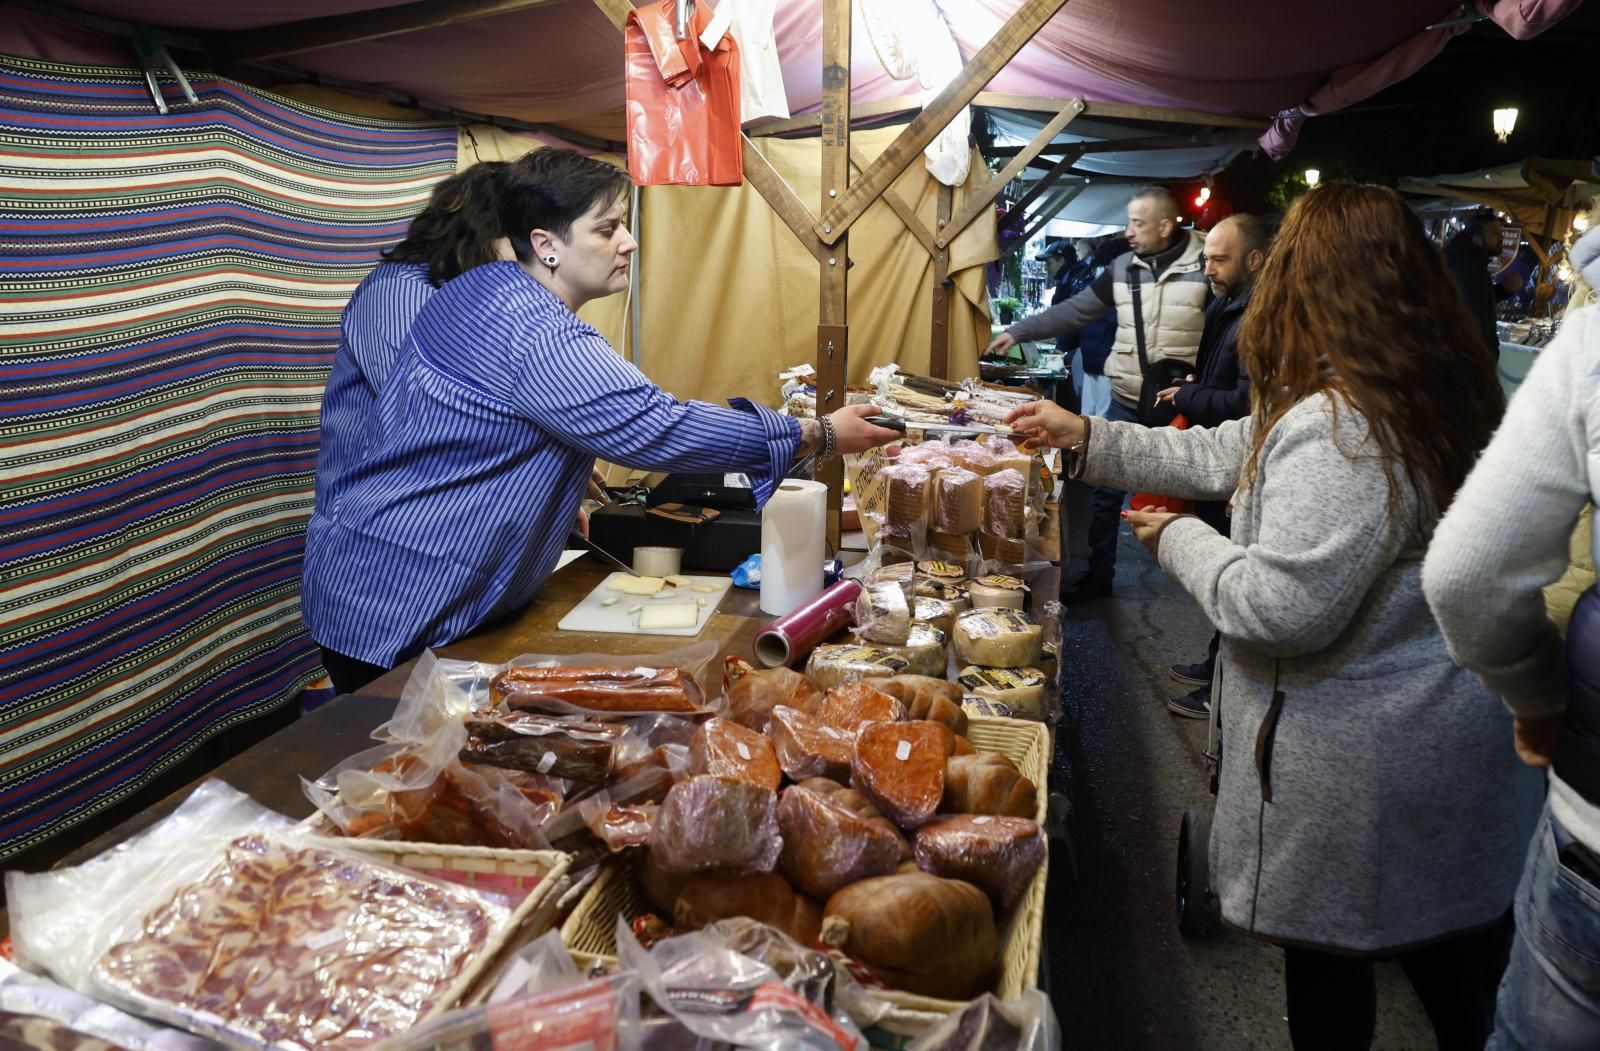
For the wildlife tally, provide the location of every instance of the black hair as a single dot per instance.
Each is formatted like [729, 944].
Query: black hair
[550, 189]
[458, 228]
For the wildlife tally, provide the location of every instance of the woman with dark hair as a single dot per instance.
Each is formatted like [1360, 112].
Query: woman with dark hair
[1370, 804]
[458, 230]
[484, 436]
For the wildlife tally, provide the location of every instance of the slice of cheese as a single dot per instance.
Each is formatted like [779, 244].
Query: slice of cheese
[925, 651]
[1022, 690]
[941, 613]
[635, 585]
[882, 613]
[998, 637]
[676, 615]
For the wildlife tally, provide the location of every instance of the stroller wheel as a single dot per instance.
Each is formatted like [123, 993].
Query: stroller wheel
[1194, 898]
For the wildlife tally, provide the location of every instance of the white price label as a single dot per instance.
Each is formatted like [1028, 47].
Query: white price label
[744, 751]
[982, 820]
[547, 761]
[902, 751]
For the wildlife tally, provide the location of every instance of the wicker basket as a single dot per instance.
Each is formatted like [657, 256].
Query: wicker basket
[533, 879]
[590, 932]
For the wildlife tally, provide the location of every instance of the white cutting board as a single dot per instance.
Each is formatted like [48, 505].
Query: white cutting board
[591, 615]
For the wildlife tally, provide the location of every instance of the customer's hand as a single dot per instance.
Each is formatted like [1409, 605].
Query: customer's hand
[1167, 395]
[854, 434]
[1147, 525]
[582, 525]
[597, 487]
[1535, 738]
[1047, 423]
[1000, 344]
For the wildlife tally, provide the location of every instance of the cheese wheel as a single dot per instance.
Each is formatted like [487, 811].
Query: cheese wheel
[658, 561]
[997, 590]
[1005, 504]
[954, 594]
[943, 572]
[837, 664]
[957, 501]
[1020, 690]
[924, 651]
[882, 613]
[998, 637]
[941, 613]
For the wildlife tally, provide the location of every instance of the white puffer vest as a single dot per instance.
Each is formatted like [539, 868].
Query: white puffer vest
[1174, 310]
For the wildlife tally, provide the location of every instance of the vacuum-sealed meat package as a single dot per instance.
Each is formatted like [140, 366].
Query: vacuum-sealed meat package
[712, 822]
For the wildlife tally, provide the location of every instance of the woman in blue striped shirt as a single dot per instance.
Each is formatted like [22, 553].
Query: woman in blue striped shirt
[482, 441]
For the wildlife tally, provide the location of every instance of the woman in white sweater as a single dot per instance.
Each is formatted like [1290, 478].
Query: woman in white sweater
[1503, 540]
[1369, 793]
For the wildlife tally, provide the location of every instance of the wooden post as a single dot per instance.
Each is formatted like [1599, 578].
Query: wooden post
[833, 317]
[979, 199]
[939, 351]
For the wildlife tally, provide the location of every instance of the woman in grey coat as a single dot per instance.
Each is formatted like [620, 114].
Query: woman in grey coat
[1370, 803]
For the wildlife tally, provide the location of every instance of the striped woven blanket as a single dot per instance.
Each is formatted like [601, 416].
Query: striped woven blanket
[170, 289]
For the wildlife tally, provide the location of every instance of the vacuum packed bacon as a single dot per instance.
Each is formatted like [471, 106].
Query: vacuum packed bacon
[616, 691]
[542, 744]
[298, 947]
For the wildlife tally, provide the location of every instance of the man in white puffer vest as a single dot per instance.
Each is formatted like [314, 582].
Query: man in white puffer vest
[1168, 263]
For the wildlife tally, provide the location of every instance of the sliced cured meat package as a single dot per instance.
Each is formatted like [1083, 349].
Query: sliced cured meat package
[542, 744]
[900, 767]
[766, 897]
[833, 836]
[754, 695]
[614, 691]
[998, 855]
[808, 747]
[725, 748]
[916, 932]
[853, 705]
[712, 822]
[988, 783]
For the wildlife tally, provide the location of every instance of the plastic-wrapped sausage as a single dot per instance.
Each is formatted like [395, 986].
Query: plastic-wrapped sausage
[617, 691]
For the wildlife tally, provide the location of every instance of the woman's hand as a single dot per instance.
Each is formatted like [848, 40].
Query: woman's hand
[597, 488]
[1147, 525]
[582, 524]
[1535, 737]
[853, 434]
[1047, 424]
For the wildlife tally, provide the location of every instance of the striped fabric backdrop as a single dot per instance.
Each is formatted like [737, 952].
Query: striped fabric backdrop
[170, 289]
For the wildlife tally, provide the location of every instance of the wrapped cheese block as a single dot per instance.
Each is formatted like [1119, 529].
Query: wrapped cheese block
[925, 650]
[726, 749]
[901, 768]
[910, 496]
[954, 594]
[898, 573]
[1008, 551]
[916, 932]
[954, 546]
[883, 614]
[997, 590]
[926, 697]
[935, 611]
[754, 695]
[998, 637]
[836, 664]
[1005, 499]
[943, 572]
[852, 705]
[957, 501]
[988, 783]
[710, 822]
[998, 855]
[978, 460]
[928, 455]
[807, 747]
[833, 836]
[1029, 467]
[986, 708]
[1021, 690]
[766, 897]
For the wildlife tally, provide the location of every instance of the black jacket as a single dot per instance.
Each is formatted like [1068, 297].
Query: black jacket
[1469, 265]
[1221, 391]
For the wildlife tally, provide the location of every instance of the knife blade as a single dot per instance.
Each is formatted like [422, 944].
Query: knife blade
[603, 553]
[895, 423]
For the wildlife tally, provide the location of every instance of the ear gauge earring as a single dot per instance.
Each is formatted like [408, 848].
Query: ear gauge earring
[550, 261]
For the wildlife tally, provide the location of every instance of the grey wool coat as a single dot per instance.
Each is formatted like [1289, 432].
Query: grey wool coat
[1370, 798]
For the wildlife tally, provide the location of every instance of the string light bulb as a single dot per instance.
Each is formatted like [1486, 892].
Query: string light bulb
[1505, 122]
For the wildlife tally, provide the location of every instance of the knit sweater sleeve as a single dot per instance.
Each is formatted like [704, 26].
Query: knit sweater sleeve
[1506, 534]
[1195, 464]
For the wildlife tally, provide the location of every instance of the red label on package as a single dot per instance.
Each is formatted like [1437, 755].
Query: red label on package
[776, 994]
[582, 1018]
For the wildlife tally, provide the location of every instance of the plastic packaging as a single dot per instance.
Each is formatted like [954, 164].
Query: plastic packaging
[916, 932]
[900, 767]
[1027, 1023]
[789, 639]
[725, 749]
[1005, 501]
[683, 101]
[44, 1014]
[957, 501]
[600, 1013]
[832, 837]
[565, 689]
[925, 650]
[996, 854]
[852, 705]
[747, 574]
[542, 744]
[883, 613]
[227, 922]
[836, 664]
[763, 896]
[808, 747]
[910, 496]
[998, 637]
[754, 696]
[717, 823]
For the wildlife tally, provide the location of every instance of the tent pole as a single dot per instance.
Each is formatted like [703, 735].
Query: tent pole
[833, 320]
[939, 352]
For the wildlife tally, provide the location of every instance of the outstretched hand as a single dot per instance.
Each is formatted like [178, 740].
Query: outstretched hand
[1047, 423]
[1147, 525]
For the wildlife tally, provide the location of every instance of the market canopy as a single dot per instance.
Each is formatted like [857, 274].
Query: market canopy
[1541, 193]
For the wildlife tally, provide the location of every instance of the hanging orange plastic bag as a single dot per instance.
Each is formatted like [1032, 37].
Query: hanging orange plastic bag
[1152, 501]
[683, 101]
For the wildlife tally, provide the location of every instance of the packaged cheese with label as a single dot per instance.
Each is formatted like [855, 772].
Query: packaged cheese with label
[1005, 504]
[925, 650]
[998, 637]
[955, 547]
[936, 611]
[943, 572]
[1021, 690]
[835, 664]
[1006, 550]
[957, 501]
[997, 589]
[883, 614]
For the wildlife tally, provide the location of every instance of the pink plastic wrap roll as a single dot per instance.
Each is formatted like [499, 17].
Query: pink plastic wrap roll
[789, 638]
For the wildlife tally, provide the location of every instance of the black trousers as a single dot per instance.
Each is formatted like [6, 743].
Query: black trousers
[1333, 999]
[347, 673]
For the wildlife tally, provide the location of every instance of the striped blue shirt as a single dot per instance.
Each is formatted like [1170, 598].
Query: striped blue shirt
[478, 457]
[372, 329]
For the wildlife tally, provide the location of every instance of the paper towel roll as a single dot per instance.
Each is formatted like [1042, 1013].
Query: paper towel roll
[793, 530]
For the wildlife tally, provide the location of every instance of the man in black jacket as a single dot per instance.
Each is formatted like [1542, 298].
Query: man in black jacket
[1218, 391]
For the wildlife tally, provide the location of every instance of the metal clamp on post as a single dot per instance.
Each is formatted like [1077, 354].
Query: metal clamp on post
[155, 61]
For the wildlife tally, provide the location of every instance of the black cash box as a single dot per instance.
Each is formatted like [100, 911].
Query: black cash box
[714, 546]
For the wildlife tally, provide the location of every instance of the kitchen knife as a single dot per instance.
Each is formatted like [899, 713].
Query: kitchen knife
[895, 423]
[603, 553]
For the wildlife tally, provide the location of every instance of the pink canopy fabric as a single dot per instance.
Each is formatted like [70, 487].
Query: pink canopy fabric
[561, 63]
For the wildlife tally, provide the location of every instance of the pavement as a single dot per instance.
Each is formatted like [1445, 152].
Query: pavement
[1120, 973]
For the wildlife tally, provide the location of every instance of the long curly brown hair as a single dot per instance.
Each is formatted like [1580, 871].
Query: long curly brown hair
[1356, 302]
[458, 229]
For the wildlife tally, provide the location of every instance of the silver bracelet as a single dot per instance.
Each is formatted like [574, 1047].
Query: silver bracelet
[830, 440]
